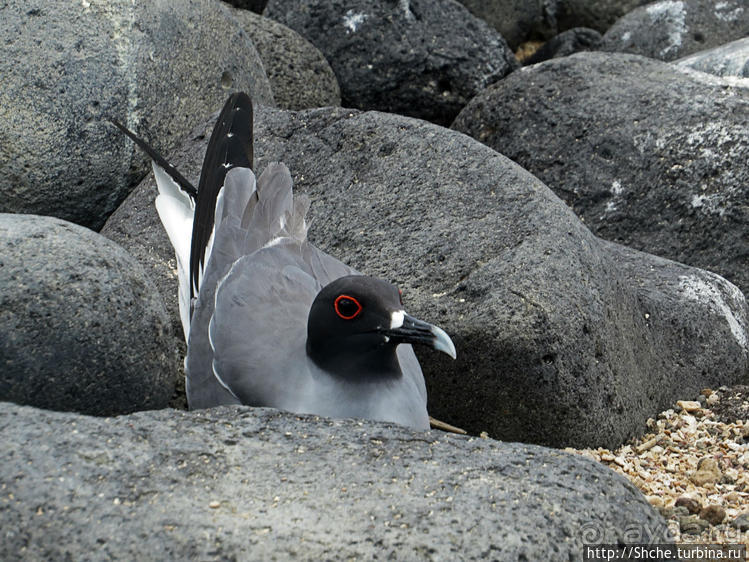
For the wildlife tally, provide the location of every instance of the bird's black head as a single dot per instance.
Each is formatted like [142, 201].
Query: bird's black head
[356, 323]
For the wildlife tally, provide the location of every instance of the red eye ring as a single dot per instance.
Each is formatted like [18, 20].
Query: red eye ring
[350, 315]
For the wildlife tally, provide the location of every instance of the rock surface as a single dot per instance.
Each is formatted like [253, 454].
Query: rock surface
[566, 43]
[256, 6]
[81, 328]
[734, 405]
[239, 483]
[647, 155]
[596, 14]
[517, 20]
[298, 73]
[84, 61]
[670, 29]
[562, 338]
[729, 60]
[423, 58]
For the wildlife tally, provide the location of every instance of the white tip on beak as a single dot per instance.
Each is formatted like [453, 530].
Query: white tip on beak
[442, 342]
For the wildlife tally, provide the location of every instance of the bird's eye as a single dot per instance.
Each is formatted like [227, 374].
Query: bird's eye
[347, 307]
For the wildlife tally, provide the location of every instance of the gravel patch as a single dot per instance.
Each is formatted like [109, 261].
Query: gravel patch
[692, 465]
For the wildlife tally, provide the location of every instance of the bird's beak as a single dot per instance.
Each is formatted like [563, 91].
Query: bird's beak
[407, 329]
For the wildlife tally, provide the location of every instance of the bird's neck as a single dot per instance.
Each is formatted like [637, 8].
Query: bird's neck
[357, 364]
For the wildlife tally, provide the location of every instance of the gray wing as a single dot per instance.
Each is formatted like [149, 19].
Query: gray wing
[259, 224]
[258, 330]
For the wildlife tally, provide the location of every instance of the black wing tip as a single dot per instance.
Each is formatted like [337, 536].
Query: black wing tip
[230, 146]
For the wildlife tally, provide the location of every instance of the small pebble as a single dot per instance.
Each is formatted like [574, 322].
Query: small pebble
[707, 472]
[732, 496]
[214, 505]
[655, 501]
[689, 405]
[713, 399]
[691, 504]
[741, 522]
[713, 514]
[692, 524]
[649, 444]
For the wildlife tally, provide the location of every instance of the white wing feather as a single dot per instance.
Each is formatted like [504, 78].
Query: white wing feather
[176, 210]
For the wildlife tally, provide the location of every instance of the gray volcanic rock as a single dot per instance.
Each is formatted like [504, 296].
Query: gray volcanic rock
[158, 67]
[241, 483]
[136, 227]
[299, 75]
[647, 155]
[256, 6]
[729, 60]
[596, 14]
[423, 58]
[562, 338]
[565, 44]
[670, 29]
[81, 328]
[517, 20]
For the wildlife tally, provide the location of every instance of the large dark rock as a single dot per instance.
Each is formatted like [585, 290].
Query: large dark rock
[423, 58]
[565, 44]
[517, 20]
[234, 483]
[562, 338]
[596, 14]
[670, 29]
[300, 76]
[256, 6]
[728, 61]
[647, 155]
[81, 328]
[159, 67]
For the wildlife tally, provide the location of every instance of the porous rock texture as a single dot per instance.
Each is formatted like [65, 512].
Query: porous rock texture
[729, 60]
[423, 58]
[298, 73]
[159, 67]
[238, 483]
[81, 327]
[566, 43]
[516, 20]
[562, 338]
[671, 29]
[646, 154]
[596, 14]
